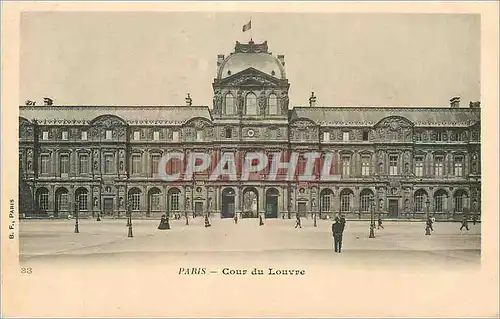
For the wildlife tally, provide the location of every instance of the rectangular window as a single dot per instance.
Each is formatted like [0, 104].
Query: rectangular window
[345, 202]
[229, 132]
[84, 135]
[45, 135]
[419, 202]
[82, 199]
[393, 165]
[326, 136]
[64, 165]
[459, 203]
[135, 199]
[45, 164]
[365, 166]
[63, 202]
[155, 160]
[346, 166]
[137, 135]
[175, 136]
[438, 165]
[136, 164]
[199, 135]
[108, 164]
[156, 136]
[419, 166]
[457, 166]
[345, 136]
[418, 136]
[325, 203]
[84, 164]
[64, 135]
[365, 135]
[109, 134]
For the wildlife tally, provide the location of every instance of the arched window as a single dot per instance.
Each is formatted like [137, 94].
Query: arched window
[365, 199]
[273, 105]
[251, 104]
[325, 200]
[134, 197]
[154, 199]
[459, 199]
[229, 104]
[43, 199]
[439, 201]
[62, 199]
[420, 197]
[81, 198]
[345, 200]
[173, 199]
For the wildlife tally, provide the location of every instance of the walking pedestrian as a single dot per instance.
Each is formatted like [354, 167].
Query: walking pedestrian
[261, 222]
[297, 221]
[163, 223]
[474, 219]
[235, 218]
[342, 221]
[207, 221]
[98, 217]
[379, 223]
[429, 224]
[337, 230]
[465, 223]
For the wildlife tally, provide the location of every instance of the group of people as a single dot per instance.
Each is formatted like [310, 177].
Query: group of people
[338, 227]
[165, 222]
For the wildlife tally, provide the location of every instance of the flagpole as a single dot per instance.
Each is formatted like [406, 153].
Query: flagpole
[251, 29]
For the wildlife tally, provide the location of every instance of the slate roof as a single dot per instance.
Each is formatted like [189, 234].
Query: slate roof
[368, 116]
[134, 115]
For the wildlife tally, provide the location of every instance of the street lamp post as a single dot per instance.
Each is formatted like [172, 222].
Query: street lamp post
[427, 226]
[129, 223]
[372, 217]
[77, 230]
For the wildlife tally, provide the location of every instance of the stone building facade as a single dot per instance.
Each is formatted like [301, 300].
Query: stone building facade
[400, 161]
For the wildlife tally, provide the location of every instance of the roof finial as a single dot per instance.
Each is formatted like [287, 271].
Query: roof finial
[312, 100]
[189, 100]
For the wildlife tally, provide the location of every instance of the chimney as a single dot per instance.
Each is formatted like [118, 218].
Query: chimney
[475, 105]
[189, 100]
[312, 100]
[281, 58]
[220, 58]
[455, 102]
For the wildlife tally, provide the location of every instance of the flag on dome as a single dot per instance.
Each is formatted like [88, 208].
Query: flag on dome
[247, 26]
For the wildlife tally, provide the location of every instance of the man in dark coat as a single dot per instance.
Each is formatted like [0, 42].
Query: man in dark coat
[337, 230]
[465, 223]
[207, 221]
[297, 222]
[474, 220]
[342, 221]
[429, 223]
[379, 223]
[261, 222]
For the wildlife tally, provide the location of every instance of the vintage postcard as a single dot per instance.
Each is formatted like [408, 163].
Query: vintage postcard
[250, 159]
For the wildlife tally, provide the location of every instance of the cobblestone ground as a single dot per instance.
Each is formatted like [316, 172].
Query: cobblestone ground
[398, 244]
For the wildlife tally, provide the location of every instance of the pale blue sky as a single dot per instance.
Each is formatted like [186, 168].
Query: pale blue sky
[156, 58]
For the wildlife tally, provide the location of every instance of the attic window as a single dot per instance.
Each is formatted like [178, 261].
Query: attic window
[365, 136]
[228, 72]
[229, 132]
[273, 73]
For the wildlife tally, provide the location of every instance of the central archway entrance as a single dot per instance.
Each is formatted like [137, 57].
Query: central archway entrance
[228, 195]
[272, 195]
[250, 203]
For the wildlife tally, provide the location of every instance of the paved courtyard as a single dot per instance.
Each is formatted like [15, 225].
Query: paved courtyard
[400, 243]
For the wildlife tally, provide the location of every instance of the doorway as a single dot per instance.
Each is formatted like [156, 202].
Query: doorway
[198, 208]
[302, 209]
[107, 206]
[393, 208]
[272, 203]
[227, 203]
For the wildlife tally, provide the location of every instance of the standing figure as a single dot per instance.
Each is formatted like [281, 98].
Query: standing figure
[379, 223]
[474, 219]
[186, 217]
[337, 230]
[342, 222]
[297, 223]
[261, 222]
[207, 221]
[235, 218]
[98, 217]
[429, 223]
[163, 224]
[465, 223]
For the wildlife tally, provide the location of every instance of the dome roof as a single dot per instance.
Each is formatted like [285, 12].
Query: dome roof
[251, 55]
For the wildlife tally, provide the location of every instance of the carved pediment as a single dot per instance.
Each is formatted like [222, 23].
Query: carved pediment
[394, 123]
[250, 77]
[108, 121]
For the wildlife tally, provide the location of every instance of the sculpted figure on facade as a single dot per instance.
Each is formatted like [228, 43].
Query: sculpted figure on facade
[262, 102]
[217, 101]
[284, 102]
